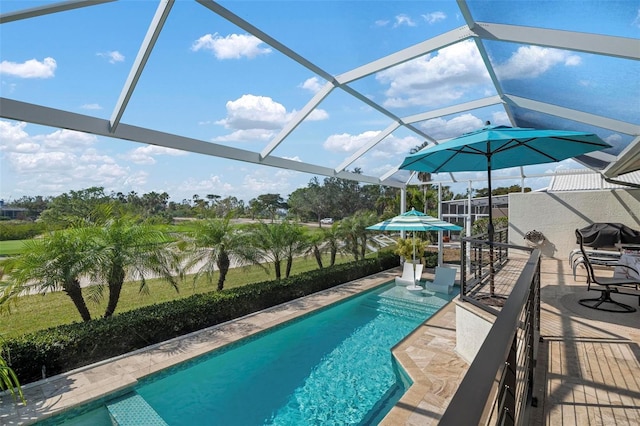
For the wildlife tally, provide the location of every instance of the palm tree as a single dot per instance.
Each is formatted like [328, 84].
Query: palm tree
[218, 244]
[54, 262]
[126, 248]
[333, 239]
[422, 176]
[296, 242]
[275, 242]
[8, 379]
[316, 242]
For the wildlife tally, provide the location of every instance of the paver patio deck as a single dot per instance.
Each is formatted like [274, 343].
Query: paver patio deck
[588, 367]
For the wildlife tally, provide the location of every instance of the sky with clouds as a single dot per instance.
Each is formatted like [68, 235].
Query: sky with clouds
[209, 80]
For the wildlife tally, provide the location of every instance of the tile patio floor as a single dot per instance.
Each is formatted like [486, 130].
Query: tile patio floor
[588, 368]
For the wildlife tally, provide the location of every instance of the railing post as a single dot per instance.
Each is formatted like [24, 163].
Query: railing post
[509, 408]
[463, 267]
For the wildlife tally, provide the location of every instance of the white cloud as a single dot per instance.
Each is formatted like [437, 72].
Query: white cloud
[636, 21]
[381, 23]
[112, 56]
[91, 106]
[67, 139]
[318, 115]
[440, 128]
[312, 84]
[258, 118]
[266, 181]
[145, 154]
[249, 135]
[435, 79]
[434, 17]
[403, 19]
[233, 46]
[212, 185]
[48, 164]
[30, 69]
[43, 161]
[254, 112]
[393, 146]
[532, 61]
[12, 135]
[348, 143]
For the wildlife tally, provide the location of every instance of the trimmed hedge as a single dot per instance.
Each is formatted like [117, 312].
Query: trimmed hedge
[71, 346]
[17, 230]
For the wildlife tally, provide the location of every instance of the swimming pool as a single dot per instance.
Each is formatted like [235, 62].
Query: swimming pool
[330, 367]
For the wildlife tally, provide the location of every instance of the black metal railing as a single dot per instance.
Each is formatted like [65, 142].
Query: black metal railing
[483, 262]
[498, 385]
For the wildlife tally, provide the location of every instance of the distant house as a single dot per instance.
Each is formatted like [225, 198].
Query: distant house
[455, 211]
[12, 212]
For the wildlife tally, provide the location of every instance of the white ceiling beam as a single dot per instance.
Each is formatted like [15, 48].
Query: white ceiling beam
[45, 116]
[48, 9]
[572, 114]
[390, 173]
[299, 118]
[230, 16]
[235, 19]
[466, 13]
[621, 47]
[160, 17]
[627, 161]
[386, 112]
[366, 147]
[404, 55]
[454, 109]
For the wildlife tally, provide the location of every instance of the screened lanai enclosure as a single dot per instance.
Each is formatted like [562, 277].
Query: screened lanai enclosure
[170, 94]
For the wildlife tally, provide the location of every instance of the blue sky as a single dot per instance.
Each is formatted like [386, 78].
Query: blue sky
[210, 80]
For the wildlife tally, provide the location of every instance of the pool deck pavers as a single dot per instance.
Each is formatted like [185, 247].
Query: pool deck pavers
[588, 368]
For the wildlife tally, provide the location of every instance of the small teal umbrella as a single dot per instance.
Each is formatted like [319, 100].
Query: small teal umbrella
[414, 220]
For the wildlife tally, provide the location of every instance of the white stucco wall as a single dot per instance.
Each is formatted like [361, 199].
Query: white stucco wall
[472, 327]
[558, 214]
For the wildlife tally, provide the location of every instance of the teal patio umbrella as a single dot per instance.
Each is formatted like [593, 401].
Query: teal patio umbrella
[499, 147]
[414, 220]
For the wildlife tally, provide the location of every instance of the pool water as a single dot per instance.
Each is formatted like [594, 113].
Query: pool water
[333, 367]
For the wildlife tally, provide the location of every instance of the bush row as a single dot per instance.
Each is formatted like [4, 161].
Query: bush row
[67, 347]
[12, 230]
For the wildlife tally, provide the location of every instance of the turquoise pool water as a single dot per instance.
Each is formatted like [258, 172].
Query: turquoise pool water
[333, 367]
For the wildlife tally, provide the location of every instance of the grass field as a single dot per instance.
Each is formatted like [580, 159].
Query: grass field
[37, 312]
[11, 248]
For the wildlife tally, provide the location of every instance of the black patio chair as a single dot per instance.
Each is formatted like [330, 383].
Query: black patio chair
[609, 286]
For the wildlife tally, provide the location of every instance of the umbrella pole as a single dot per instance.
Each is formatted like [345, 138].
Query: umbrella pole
[414, 256]
[490, 231]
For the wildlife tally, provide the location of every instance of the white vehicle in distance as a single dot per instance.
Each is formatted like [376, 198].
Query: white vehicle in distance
[327, 221]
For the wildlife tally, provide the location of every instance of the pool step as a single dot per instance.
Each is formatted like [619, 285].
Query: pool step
[132, 410]
[399, 306]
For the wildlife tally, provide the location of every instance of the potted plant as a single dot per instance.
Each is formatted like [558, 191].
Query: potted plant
[534, 238]
[405, 248]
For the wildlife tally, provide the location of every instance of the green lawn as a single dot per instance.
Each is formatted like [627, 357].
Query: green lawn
[37, 312]
[10, 248]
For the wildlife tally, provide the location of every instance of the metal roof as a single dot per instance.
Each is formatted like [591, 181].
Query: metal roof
[574, 180]
[496, 31]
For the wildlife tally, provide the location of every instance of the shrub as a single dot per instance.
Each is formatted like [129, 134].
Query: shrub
[431, 259]
[70, 346]
[17, 230]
